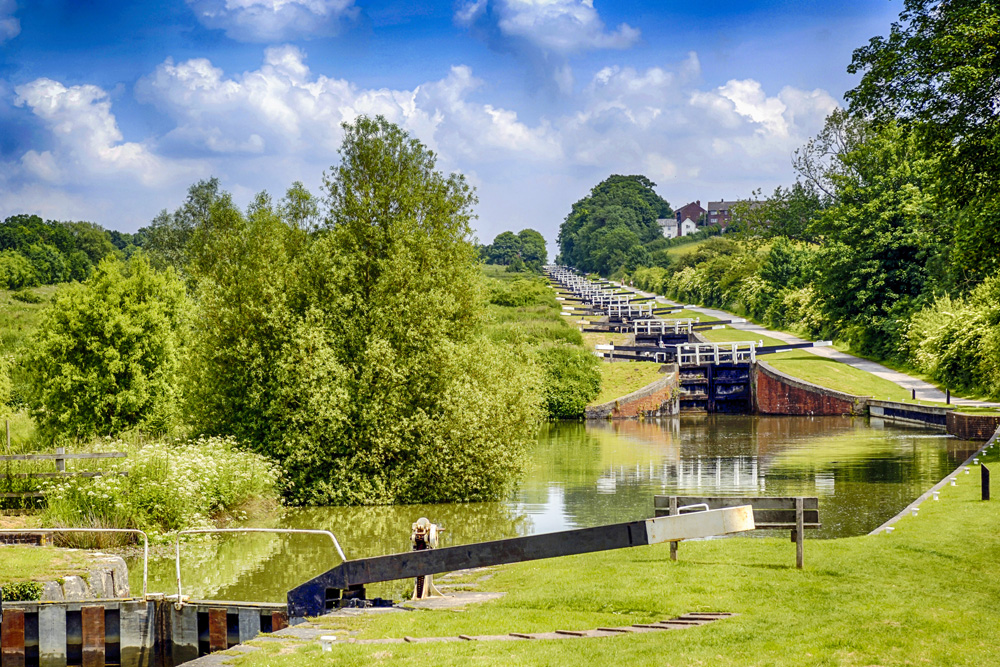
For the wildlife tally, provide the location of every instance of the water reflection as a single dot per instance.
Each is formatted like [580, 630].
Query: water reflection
[590, 474]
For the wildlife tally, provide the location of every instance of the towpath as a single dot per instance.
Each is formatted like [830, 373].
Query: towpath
[925, 391]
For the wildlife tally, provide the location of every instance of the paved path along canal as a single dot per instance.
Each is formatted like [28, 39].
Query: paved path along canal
[924, 390]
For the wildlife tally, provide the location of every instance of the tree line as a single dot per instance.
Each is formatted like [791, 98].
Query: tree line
[36, 252]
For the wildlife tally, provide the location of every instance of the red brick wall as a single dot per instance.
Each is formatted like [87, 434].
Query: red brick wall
[973, 427]
[778, 394]
[654, 400]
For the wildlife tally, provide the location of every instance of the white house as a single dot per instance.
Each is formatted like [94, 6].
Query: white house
[669, 227]
[672, 229]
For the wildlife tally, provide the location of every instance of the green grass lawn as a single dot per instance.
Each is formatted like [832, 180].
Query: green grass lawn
[678, 250]
[39, 563]
[621, 378]
[729, 335]
[923, 595]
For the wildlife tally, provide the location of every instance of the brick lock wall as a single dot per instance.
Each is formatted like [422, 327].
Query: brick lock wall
[973, 427]
[779, 394]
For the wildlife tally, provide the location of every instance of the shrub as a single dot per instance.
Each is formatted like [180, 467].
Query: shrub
[24, 296]
[105, 357]
[572, 380]
[16, 271]
[520, 293]
[23, 591]
[169, 486]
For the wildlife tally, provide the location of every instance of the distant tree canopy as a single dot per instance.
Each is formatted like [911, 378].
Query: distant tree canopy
[524, 249]
[614, 227]
[43, 252]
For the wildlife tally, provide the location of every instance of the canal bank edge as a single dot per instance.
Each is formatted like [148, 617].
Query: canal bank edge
[915, 505]
[776, 393]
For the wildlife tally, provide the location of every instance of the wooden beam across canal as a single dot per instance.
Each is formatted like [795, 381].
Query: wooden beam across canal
[348, 579]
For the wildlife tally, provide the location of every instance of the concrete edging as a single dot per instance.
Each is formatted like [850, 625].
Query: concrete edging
[937, 487]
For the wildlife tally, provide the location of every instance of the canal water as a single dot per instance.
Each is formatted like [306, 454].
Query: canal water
[863, 470]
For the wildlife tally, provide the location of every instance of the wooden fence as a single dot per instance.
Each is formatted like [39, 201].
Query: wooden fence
[60, 458]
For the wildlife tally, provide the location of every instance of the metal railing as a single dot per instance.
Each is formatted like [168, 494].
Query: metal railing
[206, 531]
[133, 531]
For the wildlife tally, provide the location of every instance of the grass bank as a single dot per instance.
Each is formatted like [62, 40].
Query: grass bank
[925, 594]
[619, 379]
[23, 563]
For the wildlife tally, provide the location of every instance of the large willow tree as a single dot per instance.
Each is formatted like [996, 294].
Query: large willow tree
[352, 353]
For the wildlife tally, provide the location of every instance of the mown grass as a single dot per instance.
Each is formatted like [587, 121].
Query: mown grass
[621, 378]
[923, 595]
[23, 563]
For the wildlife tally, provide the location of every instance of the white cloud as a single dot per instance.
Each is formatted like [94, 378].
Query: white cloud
[556, 26]
[86, 137]
[263, 128]
[10, 27]
[284, 109]
[274, 20]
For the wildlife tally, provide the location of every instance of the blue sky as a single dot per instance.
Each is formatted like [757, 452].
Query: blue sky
[110, 109]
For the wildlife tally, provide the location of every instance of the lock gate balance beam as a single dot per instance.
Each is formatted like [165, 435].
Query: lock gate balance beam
[316, 596]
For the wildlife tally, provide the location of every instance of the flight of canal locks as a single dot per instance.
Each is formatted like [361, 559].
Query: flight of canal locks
[708, 457]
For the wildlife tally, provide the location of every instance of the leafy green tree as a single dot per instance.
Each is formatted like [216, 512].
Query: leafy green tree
[880, 237]
[355, 358]
[620, 209]
[505, 247]
[938, 72]
[533, 250]
[167, 237]
[105, 357]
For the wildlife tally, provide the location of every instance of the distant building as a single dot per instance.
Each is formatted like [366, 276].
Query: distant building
[673, 228]
[719, 213]
[669, 226]
[688, 226]
[692, 211]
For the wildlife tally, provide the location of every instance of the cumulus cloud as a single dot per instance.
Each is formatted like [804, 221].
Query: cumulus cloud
[263, 128]
[557, 26]
[283, 108]
[544, 33]
[274, 20]
[86, 137]
[10, 27]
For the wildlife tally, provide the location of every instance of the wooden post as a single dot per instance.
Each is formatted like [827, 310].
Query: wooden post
[12, 638]
[799, 533]
[673, 511]
[218, 629]
[60, 463]
[984, 477]
[92, 623]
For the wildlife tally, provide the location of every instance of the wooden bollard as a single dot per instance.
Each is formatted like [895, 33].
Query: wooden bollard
[12, 638]
[218, 630]
[92, 625]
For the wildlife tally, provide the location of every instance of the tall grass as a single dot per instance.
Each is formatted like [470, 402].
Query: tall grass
[169, 486]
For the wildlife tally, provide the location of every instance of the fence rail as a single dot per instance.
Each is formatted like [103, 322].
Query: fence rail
[60, 457]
